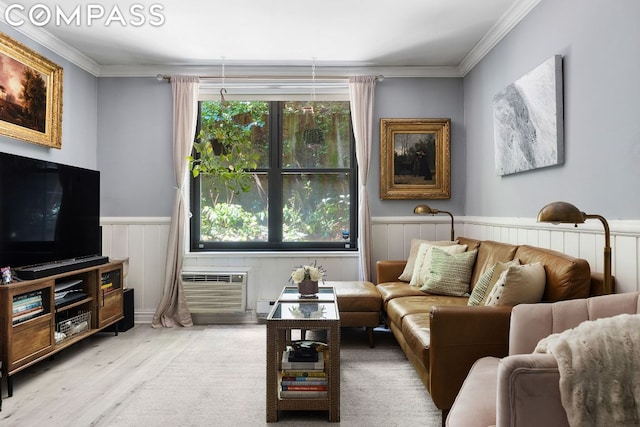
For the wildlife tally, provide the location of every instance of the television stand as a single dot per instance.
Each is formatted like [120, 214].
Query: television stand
[33, 327]
[38, 271]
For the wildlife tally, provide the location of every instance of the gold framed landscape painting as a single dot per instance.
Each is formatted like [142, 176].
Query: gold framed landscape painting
[30, 95]
[415, 159]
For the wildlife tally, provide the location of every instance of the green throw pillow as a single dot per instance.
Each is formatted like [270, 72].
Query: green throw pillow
[450, 274]
[480, 289]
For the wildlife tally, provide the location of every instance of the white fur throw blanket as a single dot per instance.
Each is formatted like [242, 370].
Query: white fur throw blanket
[599, 366]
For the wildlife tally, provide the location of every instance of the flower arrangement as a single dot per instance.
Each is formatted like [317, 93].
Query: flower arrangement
[313, 272]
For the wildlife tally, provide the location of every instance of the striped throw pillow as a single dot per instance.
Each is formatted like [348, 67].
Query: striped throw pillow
[480, 289]
[450, 273]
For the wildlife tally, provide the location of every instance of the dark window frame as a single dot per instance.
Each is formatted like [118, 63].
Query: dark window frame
[275, 173]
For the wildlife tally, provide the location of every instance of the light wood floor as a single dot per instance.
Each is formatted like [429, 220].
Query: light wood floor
[82, 381]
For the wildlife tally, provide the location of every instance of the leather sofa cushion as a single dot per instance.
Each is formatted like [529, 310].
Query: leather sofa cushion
[391, 290]
[357, 296]
[567, 277]
[398, 308]
[417, 335]
[489, 253]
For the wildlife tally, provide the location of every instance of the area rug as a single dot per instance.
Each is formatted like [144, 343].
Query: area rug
[219, 380]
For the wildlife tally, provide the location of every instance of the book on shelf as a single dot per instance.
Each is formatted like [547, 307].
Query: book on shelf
[107, 287]
[19, 308]
[30, 314]
[303, 381]
[305, 366]
[24, 300]
[27, 306]
[289, 374]
[27, 296]
[304, 387]
[303, 394]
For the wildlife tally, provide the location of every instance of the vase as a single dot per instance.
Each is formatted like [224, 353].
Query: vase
[308, 288]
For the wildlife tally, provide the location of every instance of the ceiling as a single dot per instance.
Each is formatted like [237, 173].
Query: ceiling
[162, 34]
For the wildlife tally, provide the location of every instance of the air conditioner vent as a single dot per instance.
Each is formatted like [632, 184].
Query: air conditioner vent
[210, 293]
[212, 277]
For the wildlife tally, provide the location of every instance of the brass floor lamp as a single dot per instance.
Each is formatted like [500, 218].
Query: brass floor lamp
[426, 210]
[563, 212]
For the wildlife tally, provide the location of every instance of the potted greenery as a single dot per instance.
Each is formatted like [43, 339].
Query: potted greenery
[225, 150]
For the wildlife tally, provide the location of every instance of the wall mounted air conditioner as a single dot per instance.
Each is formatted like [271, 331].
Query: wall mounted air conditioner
[208, 293]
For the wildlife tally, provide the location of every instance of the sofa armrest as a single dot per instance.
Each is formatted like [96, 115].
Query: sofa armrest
[389, 270]
[460, 335]
[528, 391]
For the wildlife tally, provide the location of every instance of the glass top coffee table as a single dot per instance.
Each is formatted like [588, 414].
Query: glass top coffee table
[290, 293]
[291, 313]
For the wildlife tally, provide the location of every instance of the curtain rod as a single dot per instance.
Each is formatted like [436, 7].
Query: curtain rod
[167, 77]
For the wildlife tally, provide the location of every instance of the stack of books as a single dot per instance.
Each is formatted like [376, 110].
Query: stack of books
[106, 288]
[27, 306]
[301, 377]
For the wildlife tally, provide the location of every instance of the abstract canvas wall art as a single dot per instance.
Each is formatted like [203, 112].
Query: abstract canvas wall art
[528, 120]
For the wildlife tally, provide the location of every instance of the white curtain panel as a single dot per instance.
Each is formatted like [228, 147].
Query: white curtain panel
[173, 310]
[361, 94]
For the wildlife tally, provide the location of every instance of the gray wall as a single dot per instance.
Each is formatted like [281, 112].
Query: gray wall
[419, 98]
[598, 40]
[79, 114]
[135, 147]
[134, 134]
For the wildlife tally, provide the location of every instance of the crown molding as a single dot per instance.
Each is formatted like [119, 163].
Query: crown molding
[260, 70]
[53, 43]
[505, 24]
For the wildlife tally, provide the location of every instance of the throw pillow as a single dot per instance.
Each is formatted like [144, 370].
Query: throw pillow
[480, 288]
[450, 273]
[499, 268]
[519, 284]
[413, 253]
[423, 261]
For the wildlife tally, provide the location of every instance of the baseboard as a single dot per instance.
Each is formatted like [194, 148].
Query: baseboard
[146, 317]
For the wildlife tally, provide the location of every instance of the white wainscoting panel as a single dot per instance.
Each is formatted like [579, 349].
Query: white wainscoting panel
[143, 243]
[392, 237]
[268, 272]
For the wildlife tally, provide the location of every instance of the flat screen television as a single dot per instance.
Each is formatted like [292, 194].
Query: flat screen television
[49, 212]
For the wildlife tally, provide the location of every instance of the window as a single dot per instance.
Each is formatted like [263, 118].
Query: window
[274, 175]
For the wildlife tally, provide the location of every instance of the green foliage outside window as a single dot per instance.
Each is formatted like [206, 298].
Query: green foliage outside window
[226, 151]
[233, 164]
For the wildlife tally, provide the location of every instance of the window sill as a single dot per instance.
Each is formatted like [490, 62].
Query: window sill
[272, 254]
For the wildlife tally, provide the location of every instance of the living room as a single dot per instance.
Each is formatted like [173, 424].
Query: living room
[120, 123]
[477, 193]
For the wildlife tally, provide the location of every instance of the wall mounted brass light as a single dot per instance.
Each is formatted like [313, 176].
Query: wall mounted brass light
[566, 213]
[426, 210]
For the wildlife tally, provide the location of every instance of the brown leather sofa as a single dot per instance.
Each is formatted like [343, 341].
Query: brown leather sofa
[442, 336]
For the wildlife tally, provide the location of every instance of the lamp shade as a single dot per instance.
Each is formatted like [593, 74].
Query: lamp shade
[561, 212]
[423, 210]
[426, 210]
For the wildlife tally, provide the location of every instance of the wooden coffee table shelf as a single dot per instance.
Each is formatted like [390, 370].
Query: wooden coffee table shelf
[280, 322]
